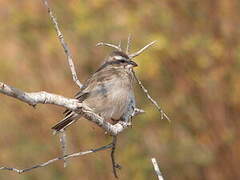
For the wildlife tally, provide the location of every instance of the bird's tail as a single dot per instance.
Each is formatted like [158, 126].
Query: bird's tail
[68, 120]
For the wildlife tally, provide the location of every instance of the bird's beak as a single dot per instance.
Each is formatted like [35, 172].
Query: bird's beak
[133, 63]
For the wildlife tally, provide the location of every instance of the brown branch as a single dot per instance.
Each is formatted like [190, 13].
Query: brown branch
[57, 159]
[64, 44]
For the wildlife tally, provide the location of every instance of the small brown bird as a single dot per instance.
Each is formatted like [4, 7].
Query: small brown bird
[108, 92]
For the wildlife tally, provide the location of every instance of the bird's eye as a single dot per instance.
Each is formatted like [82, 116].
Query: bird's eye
[122, 61]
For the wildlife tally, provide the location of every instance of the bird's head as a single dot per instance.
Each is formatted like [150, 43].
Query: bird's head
[120, 59]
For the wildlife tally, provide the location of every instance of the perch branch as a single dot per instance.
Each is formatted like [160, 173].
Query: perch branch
[141, 50]
[64, 44]
[157, 170]
[47, 98]
[57, 159]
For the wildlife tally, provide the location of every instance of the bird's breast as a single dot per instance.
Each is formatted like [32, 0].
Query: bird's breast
[111, 99]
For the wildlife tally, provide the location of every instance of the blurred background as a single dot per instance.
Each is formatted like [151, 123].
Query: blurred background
[193, 72]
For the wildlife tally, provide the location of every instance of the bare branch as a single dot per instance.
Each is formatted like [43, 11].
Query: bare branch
[120, 44]
[163, 114]
[128, 44]
[109, 45]
[114, 164]
[63, 141]
[39, 97]
[72, 104]
[141, 50]
[157, 170]
[57, 159]
[64, 44]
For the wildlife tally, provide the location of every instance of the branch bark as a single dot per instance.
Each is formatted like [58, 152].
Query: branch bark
[48, 98]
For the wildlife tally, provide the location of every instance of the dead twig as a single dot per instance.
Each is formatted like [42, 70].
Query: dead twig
[157, 170]
[163, 114]
[109, 45]
[57, 159]
[64, 44]
[115, 165]
[133, 55]
[63, 141]
[128, 44]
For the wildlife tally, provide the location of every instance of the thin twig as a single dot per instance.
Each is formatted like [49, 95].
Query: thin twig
[109, 45]
[157, 170]
[63, 141]
[57, 159]
[141, 50]
[64, 44]
[115, 165]
[120, 44]
[128, 44]
[137, 111]
[163, 114]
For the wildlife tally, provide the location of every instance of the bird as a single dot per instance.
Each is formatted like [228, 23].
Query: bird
[109, 92]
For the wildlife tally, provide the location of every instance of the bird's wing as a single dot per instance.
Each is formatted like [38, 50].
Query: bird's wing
[92, 83]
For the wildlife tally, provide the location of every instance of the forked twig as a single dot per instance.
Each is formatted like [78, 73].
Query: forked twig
[64, 44]
[157, 170]
[141, 50]
[163, 114]
[57, 159]
[109, 45]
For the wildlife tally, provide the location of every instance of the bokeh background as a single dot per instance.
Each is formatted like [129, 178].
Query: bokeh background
[193, 72]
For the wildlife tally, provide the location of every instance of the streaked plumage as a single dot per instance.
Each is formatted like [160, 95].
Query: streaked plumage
[109, 91]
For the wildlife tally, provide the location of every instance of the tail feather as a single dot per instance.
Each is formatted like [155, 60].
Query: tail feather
[68, 120]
